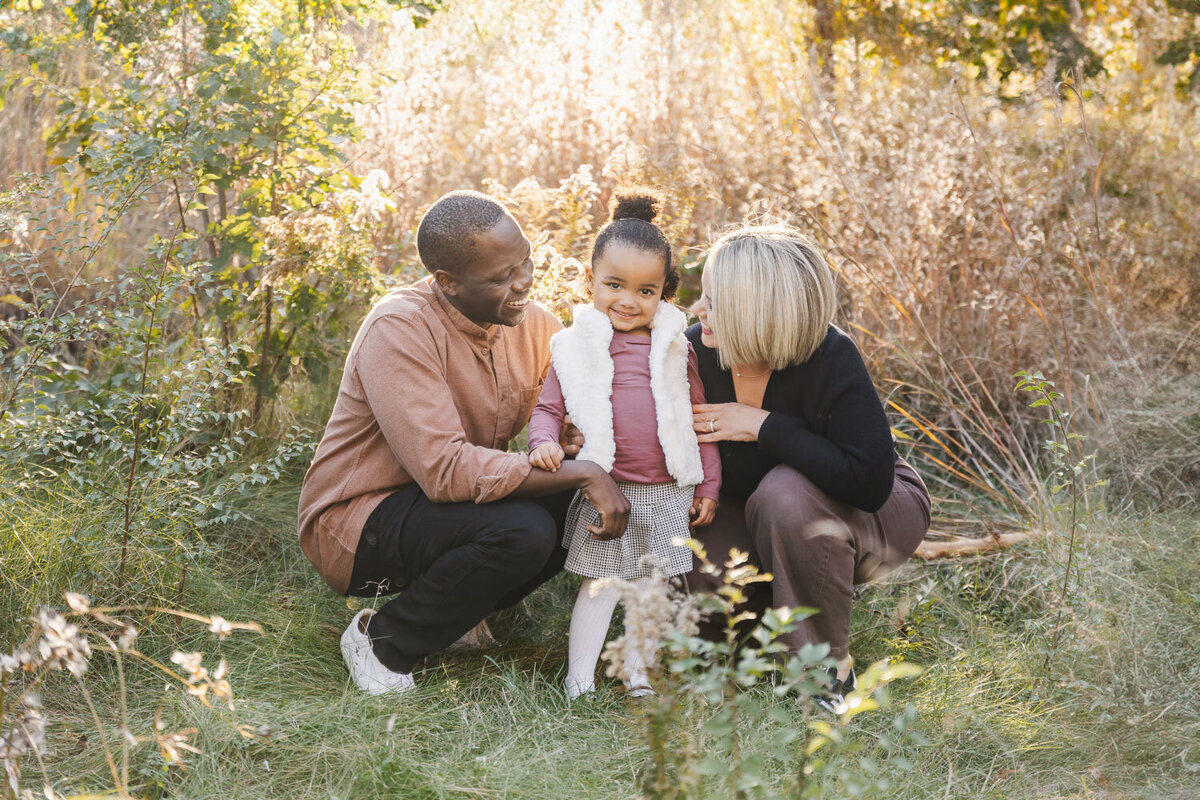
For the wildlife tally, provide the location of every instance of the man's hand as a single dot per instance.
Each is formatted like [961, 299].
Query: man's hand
[703, 511]
[571, 438]
[547, 456]
[602, 492]
[597, 486]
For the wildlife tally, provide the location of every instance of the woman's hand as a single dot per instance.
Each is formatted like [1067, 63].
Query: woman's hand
[727, 422]
[703, 511]
[571, 439]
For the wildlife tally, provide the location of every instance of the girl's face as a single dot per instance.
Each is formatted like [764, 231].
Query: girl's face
[702, 308]
[627, 283]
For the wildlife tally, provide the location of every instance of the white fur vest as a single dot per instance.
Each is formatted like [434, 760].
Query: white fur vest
[585, 370]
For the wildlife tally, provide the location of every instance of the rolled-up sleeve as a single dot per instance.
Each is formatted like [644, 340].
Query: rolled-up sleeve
[402, 371]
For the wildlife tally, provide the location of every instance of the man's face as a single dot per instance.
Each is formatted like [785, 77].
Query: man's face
[494, 288]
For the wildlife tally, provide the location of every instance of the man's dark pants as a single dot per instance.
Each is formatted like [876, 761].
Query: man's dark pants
[453, 564]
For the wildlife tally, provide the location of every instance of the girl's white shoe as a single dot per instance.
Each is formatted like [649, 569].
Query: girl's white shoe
[638, 685]
[576, 688]
[366, 670]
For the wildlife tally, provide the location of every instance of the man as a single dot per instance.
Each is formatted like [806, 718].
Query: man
[412, 488]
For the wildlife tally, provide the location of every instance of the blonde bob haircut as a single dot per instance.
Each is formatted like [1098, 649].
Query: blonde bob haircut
[772, 295]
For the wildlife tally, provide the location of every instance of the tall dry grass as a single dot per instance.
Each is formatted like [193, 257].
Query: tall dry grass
[977, 232]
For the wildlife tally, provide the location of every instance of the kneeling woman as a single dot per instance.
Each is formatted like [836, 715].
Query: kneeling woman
[812, 486]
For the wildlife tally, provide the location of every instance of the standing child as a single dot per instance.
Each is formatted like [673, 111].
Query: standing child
[628, 378]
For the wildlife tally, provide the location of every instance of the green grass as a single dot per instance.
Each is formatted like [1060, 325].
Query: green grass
[1118, 718]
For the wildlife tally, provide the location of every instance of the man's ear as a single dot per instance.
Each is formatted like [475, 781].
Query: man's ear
[448, 282]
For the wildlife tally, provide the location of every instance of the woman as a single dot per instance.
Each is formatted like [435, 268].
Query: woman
[812, 487]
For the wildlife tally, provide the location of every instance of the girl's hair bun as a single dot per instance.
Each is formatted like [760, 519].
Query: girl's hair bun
[637, 204]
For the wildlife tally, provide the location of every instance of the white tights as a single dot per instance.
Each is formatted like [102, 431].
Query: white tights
[589, 626]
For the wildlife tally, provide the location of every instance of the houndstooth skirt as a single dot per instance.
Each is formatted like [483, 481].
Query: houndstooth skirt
[658, 514]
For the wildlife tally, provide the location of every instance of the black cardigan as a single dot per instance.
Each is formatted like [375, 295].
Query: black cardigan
[826, 422]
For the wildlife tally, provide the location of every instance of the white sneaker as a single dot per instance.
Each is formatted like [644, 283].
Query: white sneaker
[366, 670]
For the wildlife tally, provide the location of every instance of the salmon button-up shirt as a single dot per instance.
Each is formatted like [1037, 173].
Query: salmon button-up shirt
[427, 396]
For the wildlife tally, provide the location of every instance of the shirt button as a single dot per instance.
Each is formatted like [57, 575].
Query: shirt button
[483, 350]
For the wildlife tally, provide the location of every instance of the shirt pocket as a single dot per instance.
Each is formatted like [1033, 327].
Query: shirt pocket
[528, 399]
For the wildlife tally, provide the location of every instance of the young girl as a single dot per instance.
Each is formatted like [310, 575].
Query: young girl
[628, 378]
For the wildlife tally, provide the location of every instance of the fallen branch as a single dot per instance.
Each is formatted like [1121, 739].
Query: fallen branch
[968, 545]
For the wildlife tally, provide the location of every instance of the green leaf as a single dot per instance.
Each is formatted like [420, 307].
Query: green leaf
[902, 670]
[712, 766]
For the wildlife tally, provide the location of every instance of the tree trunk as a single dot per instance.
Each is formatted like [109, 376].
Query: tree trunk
[823, 36]
[263, 365]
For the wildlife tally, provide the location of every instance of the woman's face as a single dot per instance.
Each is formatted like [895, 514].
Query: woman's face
[702, 308]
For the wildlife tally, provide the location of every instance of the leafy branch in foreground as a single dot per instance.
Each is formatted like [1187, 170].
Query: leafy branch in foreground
[708, 693]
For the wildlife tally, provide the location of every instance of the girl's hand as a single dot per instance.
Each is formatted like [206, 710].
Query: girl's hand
[547, 456]
[727, 422]
[703, 511]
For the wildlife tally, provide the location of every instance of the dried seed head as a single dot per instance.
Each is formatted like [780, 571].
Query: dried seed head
[653, 610]
[220, 626]
[22, 734]
[19, 661]
[78, 603]
[170, 745]
[127, 636]
[191, 663]
[61, 645]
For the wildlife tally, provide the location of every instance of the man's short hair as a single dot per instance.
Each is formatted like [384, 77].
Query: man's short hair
[773, 296]
[446, 235]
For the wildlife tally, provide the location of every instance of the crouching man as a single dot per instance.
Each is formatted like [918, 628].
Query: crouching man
[412, 489]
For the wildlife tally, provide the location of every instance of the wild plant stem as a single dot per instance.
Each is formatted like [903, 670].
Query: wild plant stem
[1062, 599]
[735, 745]
[141, 403]
[179, 589]
[735, 754]
[108, 756]
[801, 776]
[3, 716]
[124, 705]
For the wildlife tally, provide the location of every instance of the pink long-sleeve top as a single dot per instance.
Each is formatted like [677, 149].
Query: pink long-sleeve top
[639, 457]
